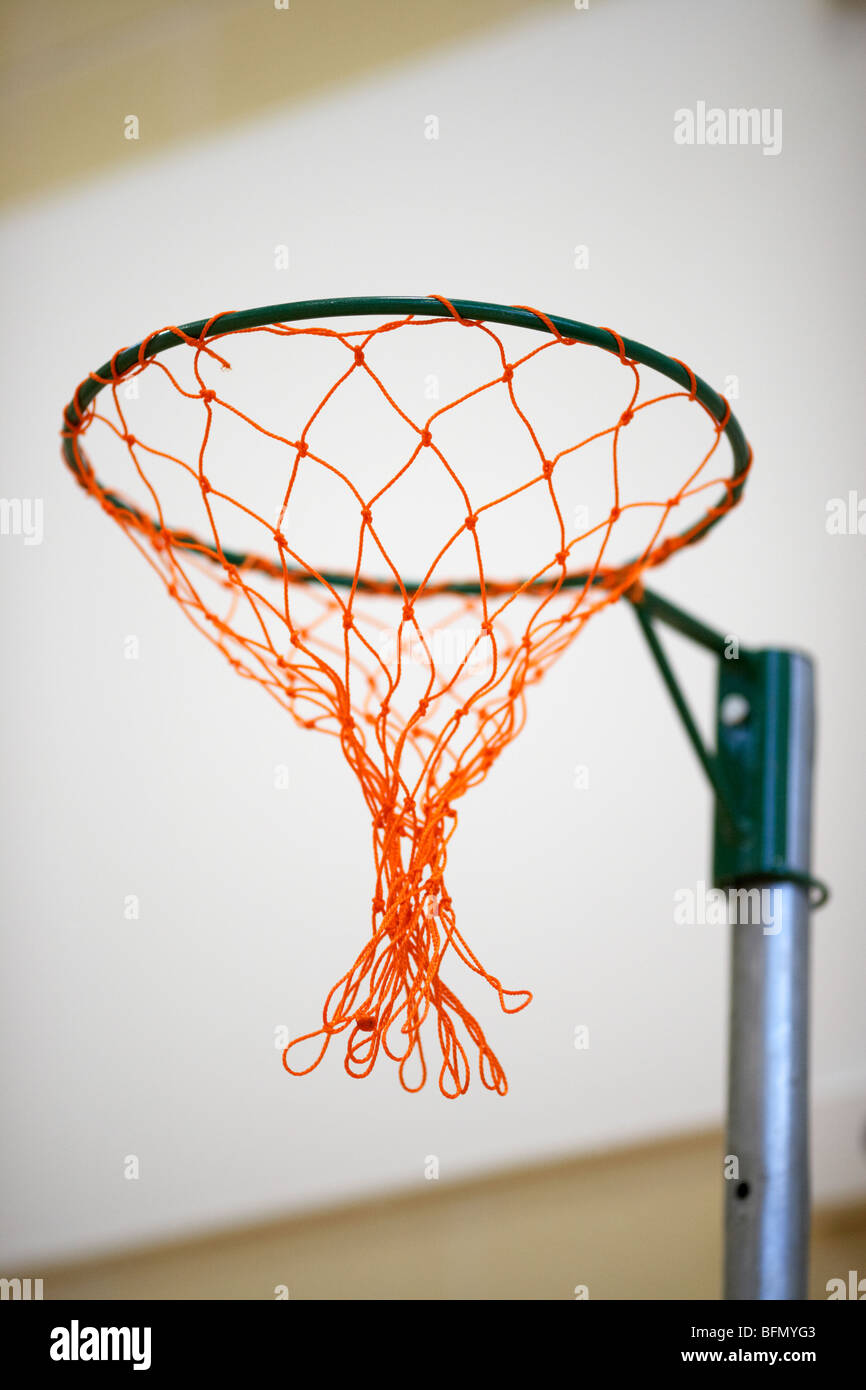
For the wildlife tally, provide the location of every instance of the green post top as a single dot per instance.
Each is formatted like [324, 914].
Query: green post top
[764, 756]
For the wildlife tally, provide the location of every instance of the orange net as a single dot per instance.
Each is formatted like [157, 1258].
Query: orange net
[417, 662]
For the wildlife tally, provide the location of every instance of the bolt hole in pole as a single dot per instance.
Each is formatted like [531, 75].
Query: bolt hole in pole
[734, 710]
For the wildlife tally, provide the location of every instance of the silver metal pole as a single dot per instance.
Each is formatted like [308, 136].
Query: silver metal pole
[767, 1202]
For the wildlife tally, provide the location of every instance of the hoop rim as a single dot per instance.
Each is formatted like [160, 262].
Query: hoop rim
[472, 311]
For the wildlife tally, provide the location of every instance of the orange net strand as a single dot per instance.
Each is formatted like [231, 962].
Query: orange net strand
[351, 655]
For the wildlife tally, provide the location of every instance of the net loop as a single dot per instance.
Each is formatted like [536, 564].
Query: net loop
[693, 381]
[549, 325]
[620, 345]
[458, 317]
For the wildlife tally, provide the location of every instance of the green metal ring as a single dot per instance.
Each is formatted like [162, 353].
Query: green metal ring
[469, 309]
[819, 891]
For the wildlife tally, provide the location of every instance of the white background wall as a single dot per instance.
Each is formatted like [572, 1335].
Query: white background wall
[155, 777]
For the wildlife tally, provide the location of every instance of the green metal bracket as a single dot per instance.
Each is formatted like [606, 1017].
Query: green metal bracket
[755, 733]
[755, 830]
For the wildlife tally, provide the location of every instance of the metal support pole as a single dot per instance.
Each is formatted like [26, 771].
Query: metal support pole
[767, 1202]
[766, 724]
[761, 772]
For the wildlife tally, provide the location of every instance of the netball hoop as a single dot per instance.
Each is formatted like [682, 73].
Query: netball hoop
[395, 530]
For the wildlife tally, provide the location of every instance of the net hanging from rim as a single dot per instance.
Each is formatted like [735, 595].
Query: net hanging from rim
[350, 652]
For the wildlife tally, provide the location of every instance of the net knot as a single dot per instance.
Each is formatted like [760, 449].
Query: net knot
[359, 357]
[378, 904]
[302, 449]
[561, 557]
[408, 613]
[626, 417]
[366, 1022]
[487, 627]
[508, 373]
[280, 540]
[208, 395]
[672, 502]
[615, 513]
[471, 521]
[547, 468]
[426, 438]
[204, 484]
[130, 439]
[347, 620]
[423, 706]
[296, 641]
[367, 516]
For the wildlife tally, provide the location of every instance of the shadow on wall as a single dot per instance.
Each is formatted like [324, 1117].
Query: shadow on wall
[162, 69]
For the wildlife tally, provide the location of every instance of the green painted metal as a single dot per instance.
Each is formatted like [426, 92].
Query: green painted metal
[652, 605]
[707, 760]
[750, 768]
[426, 307]
[753, 757]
